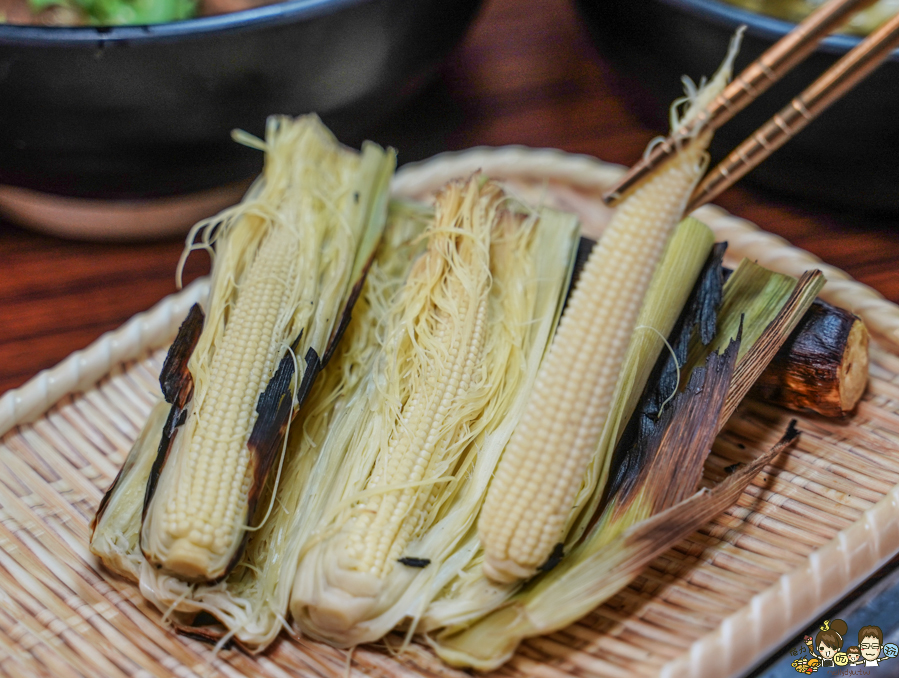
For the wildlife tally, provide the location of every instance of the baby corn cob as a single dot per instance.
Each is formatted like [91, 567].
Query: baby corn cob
[251, 602]
[532, 502]
[470, 595]
[435, 346]
[202, 517]
[283, 264]
[460, 355]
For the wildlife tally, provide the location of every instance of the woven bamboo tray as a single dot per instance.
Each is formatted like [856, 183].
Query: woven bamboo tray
[809, 528]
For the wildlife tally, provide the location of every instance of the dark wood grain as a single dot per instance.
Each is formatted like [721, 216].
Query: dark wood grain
[525, 74]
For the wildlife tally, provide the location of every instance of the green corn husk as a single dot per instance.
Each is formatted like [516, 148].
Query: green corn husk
[650, 509]
[250, 604]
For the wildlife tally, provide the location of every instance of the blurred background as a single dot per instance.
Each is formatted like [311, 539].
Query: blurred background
[524, 73]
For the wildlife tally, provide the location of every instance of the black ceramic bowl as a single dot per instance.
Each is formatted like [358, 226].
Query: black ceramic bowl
[147, 111]
[848, 157]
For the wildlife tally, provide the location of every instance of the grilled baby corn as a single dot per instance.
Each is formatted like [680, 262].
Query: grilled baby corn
[461, 352]
[283, 267]
[544, 471]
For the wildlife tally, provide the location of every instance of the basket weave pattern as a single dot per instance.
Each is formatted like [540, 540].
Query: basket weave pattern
[815, 522]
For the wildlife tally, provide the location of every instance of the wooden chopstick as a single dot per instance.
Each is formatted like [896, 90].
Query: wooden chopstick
[777, 60]
[833, 84]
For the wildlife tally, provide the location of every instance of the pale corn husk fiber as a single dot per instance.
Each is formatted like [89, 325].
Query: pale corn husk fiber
[815, 523]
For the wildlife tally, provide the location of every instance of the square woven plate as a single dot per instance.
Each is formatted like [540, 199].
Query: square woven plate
[811, 526]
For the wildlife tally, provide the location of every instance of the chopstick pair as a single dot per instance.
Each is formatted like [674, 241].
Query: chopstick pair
[779, 59]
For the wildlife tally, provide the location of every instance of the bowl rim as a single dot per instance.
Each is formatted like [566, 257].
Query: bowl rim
[760, 25]
[286, 11]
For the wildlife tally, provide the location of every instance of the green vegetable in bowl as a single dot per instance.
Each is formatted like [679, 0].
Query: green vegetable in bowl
[861, 23]
[118, 12]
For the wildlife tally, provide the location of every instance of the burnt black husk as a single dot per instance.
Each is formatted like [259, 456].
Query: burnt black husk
[554, 558]
[275, 408]
[700, 313]
[175, 379]
[177, 386]
[584, 248]
[414, 562]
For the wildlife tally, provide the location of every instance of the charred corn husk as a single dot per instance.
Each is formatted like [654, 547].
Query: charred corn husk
[533, 500]
[460, 354]
[823, 367]
[553, 603]
[284, 265]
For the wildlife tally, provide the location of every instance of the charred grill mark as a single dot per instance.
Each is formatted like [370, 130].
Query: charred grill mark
[104, 502]
[274, 408]
[584, 248]
[347, 314]
[710, 293]
[207, 628]
[175, 379]
[177, 386]
[554, 558]
[313, 366]
[209, 635]
[414, 562]
[173, 421]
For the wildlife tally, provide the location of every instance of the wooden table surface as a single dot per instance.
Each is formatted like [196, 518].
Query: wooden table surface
[525, 74]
